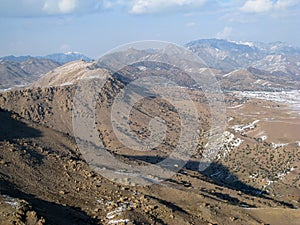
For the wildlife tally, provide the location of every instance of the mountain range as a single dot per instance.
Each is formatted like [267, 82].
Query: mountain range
[48, 177]
[276, 58]
[61, 58]
[19, 71]
[22, 73]
[272, 62]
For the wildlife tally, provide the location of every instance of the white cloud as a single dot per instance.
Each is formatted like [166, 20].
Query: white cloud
[225, 33]
[156, 6]
[50, 6]
[67, 6]
[261, 6]
[31, 8]
[257, 6]
[284, 4]
[21, 8]
[60, 6]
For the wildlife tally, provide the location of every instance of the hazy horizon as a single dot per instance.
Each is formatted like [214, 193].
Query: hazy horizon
[103, 53]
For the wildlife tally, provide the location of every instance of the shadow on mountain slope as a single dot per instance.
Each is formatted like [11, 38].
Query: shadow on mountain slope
[215, 173]
[52, 212]
[11, 128]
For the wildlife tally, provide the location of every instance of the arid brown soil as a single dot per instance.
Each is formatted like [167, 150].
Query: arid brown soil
[45, 179]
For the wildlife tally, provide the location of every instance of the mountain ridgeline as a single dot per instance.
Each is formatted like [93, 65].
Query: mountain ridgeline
[48, 177]
[277, 58]
[265, 66]
[20, 71]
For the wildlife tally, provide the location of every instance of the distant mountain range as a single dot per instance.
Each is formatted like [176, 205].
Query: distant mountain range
[276, 58]
[21, 73]
[61, 58]
[238, 65]
[17, 71]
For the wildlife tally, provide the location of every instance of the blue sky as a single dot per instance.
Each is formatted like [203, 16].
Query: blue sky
[39, 27]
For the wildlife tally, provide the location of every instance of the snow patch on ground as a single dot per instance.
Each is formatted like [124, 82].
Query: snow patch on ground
[4, 90]
[117, 212]
[235, 107]
[254, 175]
[257, 82]
[288, 97]
[66, 84]
[284, 173]
[142, 68]
[229, 142]
[279, 145]
[11, 201]
[268, 183]
[118, 221]
[91, 77]
[230, 119]
[229, 74]
[263, 138]
[14, 87]
[241, 128]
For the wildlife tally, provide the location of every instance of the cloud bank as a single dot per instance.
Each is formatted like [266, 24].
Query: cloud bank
[35, 8]
[156, 6]
[32, 8]
[262, 6]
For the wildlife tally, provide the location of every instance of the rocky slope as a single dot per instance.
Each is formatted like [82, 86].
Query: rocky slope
[41, 164]
[69, 74]
[45, 178]
[43, 167]
[253, 79]
[14, 73]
